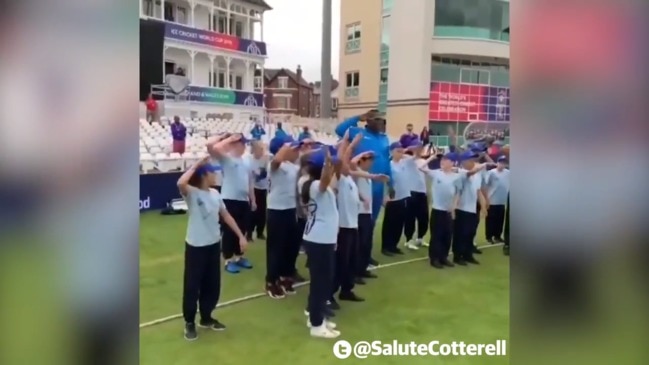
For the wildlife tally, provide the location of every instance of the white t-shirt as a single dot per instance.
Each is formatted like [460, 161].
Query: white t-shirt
[348, 202]
[322, 216]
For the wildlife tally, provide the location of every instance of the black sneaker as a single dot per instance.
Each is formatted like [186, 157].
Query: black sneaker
[249, 237]
[212, 324]
[350, 296]
[397, 251]
[499, 240]
[447, 263]
[476, 250]
[333, 304]
[287, 286]
[359, 281]
[471, 260]
[374, 262]
[437, 264]
[260, 236]
[297, 278]
[274, 291]
[387, 253]
[190, 332]
[460, 262]
[491, 241]
[506, 250]
[368, 275]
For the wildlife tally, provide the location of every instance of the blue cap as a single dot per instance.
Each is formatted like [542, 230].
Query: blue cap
[452, 156]
[478, 147]
[502, 158]
[278, 142]
[207, 168]
[395, 145]
[317, 158]
[468, 155]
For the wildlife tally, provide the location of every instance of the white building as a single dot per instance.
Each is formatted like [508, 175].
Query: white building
[219, 45]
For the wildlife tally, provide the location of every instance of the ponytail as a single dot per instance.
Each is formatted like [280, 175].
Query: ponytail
[314, 174]
[305, 194]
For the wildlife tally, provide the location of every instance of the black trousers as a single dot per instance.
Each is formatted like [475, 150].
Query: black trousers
[441, 230]
[202, 280]
[506, 232]
[346, 258]
[301, 224]
[495, 221]
[258, 217]
[280, 239]
[321, 271]
[365, 238]
[417, 212]
[393, 222]
[464, 229]
[240, 211]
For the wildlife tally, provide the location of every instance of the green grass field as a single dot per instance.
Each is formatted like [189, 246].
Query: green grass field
[408, 302]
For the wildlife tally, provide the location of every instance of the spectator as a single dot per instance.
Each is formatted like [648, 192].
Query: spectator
[408, 137]
[257, 131]
[151, 109]
[178, 133]
[280, 133]
[180, 71]
[424, 136]
[305, 134]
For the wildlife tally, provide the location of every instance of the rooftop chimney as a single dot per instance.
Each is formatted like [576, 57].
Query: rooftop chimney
[299, 72]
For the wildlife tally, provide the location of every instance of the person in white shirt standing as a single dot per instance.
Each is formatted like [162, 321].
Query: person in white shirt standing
[348, 201]
[282, 217]
[258, 162]
[498, 183]
[238, 196]
[320, 237]
[395, 206]
[417, 212]
[361, 164]
[202, 272]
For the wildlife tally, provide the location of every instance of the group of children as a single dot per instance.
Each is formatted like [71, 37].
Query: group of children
[320, 198]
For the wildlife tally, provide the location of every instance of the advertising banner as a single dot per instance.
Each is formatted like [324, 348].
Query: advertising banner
[217, 40]
[156, 190]
[468, 103]
[222, 96]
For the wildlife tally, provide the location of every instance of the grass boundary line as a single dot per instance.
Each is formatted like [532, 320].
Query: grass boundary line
[259, 295]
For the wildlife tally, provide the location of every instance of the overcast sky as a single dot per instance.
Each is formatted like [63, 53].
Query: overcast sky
[293, 32]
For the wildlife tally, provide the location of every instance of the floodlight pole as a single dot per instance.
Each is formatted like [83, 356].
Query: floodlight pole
[325, 68]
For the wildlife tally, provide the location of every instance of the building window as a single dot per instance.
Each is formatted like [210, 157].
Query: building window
[238, 29]
[334, 103]
[258, 84]
[213, 79]
[481, 19]
[238, 82]
[282, 101]
[222, 23]
[353, 41]
[352, 83]
[384, 75]
[282, 82]
[221, 83]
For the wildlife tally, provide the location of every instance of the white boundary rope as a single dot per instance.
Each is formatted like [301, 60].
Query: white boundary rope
[260, 295]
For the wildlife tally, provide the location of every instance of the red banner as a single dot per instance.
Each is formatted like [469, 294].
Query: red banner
[457, 102]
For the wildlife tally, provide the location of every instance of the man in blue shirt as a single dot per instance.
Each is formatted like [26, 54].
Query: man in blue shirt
[376, 141]
[257, 131]
[305, 134]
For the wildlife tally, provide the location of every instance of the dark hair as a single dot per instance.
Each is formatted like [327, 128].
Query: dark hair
[195, 180]
[315, 173]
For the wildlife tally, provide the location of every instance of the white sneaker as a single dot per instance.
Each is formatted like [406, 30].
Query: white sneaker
[323, 332]
[411, 245]
[423, 242]
[371, 267]
[330, 325]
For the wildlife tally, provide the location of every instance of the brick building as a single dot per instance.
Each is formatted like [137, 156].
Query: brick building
[287, 92]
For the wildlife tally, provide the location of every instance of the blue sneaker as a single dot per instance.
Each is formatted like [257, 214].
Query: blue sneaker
[232, 267]
[244, 263]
